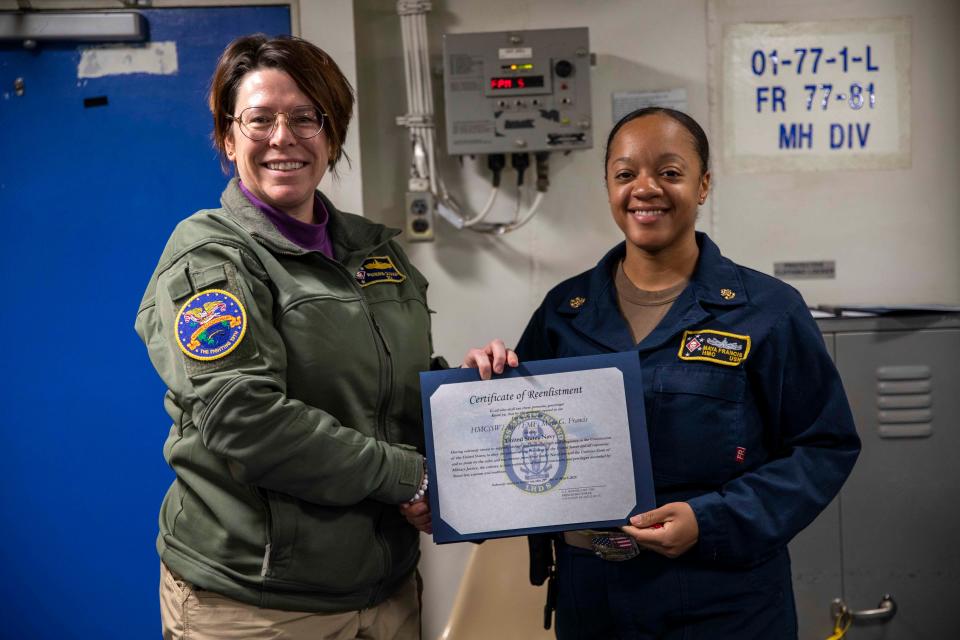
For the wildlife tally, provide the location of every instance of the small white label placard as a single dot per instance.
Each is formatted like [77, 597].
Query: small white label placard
[516, 53]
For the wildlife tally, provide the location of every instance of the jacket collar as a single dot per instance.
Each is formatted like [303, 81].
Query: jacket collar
[716, 279]
[715, 283]
[351, 235]
[593, 305]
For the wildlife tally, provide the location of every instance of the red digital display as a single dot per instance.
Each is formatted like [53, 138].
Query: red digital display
[516, 82]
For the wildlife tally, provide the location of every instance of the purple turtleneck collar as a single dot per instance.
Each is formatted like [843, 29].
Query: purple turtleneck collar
[312, 237]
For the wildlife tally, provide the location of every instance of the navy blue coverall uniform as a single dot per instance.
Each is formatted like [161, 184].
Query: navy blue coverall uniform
[748, 423]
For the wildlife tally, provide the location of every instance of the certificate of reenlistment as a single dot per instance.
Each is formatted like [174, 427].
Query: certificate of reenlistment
[550, 445]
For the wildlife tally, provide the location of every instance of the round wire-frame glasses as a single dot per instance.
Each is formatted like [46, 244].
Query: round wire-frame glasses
[259, 123]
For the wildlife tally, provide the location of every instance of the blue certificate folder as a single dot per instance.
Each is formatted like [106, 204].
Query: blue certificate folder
[629, 366]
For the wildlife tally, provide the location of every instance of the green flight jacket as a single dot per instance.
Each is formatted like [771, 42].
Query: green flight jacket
[293, 450]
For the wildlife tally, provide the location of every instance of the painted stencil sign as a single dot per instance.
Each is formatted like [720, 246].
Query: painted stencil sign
[817, 95]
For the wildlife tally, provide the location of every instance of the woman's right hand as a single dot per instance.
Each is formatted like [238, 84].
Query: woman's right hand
[490, 359]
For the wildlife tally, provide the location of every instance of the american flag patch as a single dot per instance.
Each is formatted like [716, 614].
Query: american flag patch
[613, 542]
[741, 454]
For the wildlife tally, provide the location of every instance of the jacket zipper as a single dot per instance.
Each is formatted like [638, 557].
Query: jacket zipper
[383, 353]
[383, 403]
[387, 371]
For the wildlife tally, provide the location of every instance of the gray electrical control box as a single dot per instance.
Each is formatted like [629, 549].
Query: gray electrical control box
[516, 91]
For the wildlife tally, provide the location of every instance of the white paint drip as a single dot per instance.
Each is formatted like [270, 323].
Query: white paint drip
[158, 58]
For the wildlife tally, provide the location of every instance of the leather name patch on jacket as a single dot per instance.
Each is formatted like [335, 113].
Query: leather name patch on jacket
[729, 349]
[376, 269]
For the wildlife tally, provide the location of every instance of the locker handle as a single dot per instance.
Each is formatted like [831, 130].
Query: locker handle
[884, 611]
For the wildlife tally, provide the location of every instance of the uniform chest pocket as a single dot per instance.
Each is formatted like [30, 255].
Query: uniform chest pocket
[696, 423]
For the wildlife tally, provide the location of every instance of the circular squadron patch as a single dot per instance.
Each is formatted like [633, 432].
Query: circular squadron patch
[534, 451]
[210, 324]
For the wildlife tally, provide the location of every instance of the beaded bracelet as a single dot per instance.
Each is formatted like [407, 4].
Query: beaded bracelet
[423, 485]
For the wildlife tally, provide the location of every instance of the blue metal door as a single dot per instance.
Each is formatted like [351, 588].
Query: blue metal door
[94, 175]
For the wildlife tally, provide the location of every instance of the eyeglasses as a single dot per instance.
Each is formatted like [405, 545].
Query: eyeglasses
[259, 123]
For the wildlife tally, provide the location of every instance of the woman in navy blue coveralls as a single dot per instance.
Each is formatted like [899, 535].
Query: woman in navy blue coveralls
[750, 431]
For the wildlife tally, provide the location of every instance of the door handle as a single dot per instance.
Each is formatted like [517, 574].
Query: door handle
[884, 611]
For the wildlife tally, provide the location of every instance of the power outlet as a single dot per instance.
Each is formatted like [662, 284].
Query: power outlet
[420, 216]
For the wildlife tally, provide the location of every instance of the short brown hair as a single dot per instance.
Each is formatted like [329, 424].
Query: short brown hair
[315, 73]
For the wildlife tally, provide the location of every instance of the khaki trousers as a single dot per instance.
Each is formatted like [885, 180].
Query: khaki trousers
[189, 613]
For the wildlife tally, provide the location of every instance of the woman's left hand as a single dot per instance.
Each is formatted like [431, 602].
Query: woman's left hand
[418, 514]
[670, 530]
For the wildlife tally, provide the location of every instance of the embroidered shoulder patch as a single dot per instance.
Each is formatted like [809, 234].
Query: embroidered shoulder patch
[210, 324]
[377, 269]
[728, 349]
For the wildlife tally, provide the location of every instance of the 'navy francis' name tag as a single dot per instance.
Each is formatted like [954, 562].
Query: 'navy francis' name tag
[729, 349]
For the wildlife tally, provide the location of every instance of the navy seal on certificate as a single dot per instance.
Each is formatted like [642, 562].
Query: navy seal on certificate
[548, 446]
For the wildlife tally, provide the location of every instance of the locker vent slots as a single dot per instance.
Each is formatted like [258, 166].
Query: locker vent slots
[905, 401]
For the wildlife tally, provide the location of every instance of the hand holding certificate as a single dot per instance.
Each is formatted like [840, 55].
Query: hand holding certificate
[548, 446]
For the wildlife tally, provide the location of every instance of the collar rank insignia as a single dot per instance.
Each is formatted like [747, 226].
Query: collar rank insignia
[727, 294]
[577, 302]
[377, 269]
[210, 324]
[728, 349]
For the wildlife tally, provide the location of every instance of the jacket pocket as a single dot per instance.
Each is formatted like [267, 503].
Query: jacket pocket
[696, 423]
[280, 532]
[208, 277]
[316, 548]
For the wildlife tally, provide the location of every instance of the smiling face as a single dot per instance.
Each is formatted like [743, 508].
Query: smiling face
[655, 183]
[283, 170]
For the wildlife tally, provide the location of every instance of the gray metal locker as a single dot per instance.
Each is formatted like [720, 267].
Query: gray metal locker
[894, 527]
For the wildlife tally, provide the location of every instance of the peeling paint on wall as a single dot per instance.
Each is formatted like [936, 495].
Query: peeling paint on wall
[158, 58]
